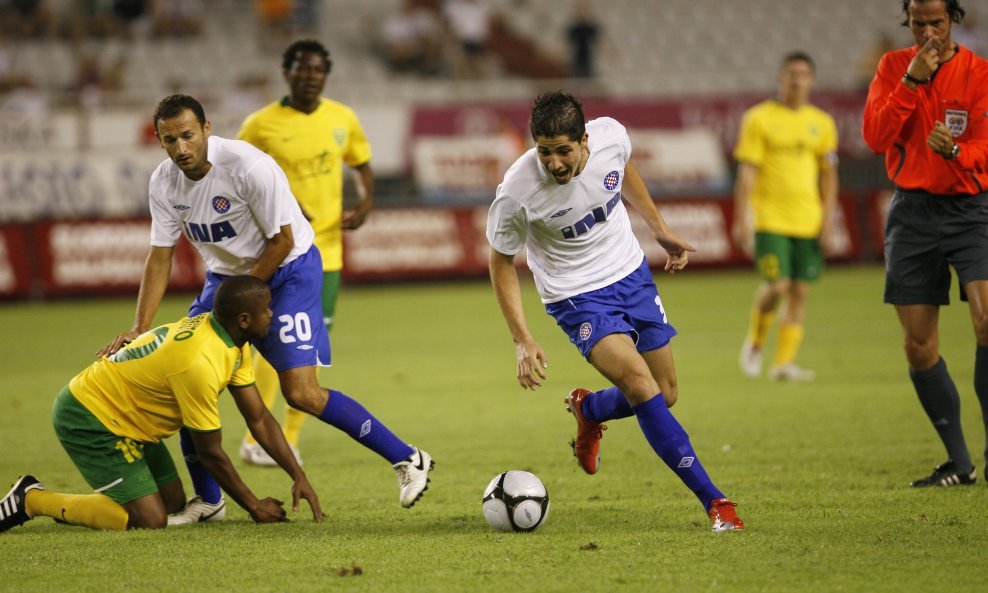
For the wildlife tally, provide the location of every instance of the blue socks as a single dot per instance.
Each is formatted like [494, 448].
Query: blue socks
[352, 418]
[203, 483]
[606, 404]
[341, 412]
[667, 437]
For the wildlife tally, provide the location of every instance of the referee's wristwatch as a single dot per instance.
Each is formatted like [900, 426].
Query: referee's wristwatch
[956, 150]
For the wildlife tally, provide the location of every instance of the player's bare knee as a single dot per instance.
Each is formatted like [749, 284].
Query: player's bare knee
[308, 400]
[671, 395]
[921, 355]
[148, 520]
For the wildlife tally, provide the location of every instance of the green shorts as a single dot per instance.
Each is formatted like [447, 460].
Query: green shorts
[330, 290]
[779, 256]
[121, 468]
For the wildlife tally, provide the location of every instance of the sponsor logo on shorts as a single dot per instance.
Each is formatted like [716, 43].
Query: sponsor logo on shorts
[221, 204]
[611, 180]
[585, 331]
[180, 207]
[560, 213]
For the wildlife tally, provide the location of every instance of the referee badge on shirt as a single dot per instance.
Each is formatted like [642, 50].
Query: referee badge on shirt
[585, 330]
[956, 121]
[221, 204]
[611, 180]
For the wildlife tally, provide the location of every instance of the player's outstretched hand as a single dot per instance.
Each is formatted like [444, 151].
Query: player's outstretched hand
[531, 363]
[117, 343]
[302, 489]
[269, 510]
[677, 248]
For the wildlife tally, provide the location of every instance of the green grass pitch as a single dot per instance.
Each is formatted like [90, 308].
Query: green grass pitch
[819, 470]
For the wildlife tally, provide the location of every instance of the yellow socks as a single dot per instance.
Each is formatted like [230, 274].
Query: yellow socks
[758, 326]
[790, 337]
[98, 511]
[269, 386]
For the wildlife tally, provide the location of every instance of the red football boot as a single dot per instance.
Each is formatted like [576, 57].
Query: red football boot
[586, 445]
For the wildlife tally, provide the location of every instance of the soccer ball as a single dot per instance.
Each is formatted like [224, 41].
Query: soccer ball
[516, 501]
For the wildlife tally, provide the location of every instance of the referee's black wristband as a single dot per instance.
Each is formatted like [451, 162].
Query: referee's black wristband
[913, 79]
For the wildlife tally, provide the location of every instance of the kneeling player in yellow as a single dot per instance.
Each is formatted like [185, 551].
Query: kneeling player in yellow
[112, 417]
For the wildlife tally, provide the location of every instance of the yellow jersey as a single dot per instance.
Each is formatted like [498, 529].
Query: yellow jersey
[790, 147]
[166, 378]
[311, 149]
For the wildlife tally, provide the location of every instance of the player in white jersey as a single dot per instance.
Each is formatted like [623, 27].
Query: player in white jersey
[233, 203]
[563, 201]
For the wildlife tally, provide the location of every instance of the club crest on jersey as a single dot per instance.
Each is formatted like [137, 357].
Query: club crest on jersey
[956, 121]
[585, 331]
[221, 204]
[611, 180]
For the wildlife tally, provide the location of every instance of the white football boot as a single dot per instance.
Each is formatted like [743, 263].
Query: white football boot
[199, 511]
[413, 476]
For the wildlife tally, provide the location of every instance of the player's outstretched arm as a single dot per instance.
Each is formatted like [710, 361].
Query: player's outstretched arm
[636, 193]
[210, 452]
[531, 360]
[269, 435]
[154, 283]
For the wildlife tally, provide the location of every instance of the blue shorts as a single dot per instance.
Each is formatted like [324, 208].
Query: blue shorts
[298, 336]
[629, 306]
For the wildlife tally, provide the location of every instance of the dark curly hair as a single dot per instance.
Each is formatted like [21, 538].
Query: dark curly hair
[305, 45]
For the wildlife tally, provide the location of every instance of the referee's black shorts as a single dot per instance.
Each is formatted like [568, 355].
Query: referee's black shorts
[926, 233]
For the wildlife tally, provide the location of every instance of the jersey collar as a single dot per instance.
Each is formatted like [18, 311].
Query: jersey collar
[221, 332]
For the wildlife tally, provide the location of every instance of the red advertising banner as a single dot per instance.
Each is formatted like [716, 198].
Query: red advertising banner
[105, 257]
[721, 114]
[15, 278]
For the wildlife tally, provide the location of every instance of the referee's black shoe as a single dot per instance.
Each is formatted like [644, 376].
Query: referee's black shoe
[946, 474]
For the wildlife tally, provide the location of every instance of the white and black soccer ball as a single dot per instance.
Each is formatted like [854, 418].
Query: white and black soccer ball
[516, 501]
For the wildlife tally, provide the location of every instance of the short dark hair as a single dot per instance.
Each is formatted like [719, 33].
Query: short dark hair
[173, 105]
[557, 114]
[305, 45]
[236, 295]
[799, 56]
[954, 10]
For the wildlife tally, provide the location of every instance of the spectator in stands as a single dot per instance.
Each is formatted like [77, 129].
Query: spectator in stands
[26, 18]
[411, 39]
[133, 17]
[787, 177]
[469, 22]
[177, 18]
[583, 34]
[275, 18]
